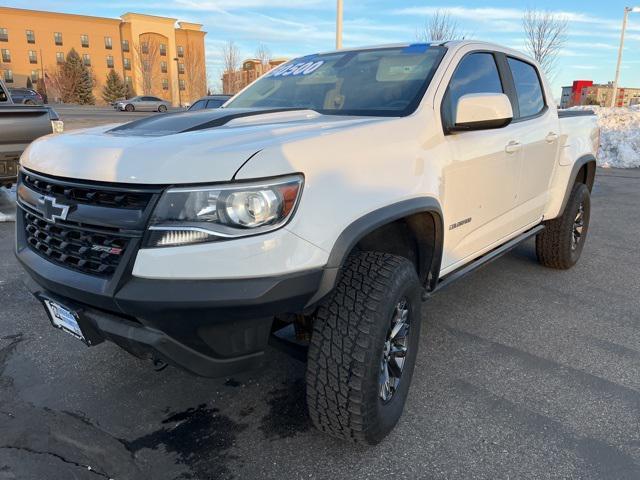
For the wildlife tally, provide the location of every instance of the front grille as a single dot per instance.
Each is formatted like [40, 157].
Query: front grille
[86, 251]
[88, 195]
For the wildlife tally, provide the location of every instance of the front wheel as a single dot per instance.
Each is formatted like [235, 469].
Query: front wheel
[363, 348]
[560, 244]
[129, 107]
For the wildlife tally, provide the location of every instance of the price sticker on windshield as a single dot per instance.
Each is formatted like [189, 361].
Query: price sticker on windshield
[297, 69]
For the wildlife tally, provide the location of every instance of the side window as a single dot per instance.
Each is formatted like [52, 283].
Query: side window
[476, 73]
[528, 88]
[3, 95]
[199, 105]
[214, 103]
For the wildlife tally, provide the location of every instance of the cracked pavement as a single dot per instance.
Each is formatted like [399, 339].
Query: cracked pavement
[523, 373]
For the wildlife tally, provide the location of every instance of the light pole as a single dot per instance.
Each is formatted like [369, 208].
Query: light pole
[627, 11]
[339, 25]
[178, 76]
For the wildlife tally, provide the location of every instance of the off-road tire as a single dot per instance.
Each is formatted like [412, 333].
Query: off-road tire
[129, 108]
[347, 343]
[554, 244]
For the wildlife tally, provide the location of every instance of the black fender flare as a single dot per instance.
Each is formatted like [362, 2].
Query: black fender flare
[589, 160]
[366, 224]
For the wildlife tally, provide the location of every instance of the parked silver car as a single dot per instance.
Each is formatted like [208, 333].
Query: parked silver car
[142, 103]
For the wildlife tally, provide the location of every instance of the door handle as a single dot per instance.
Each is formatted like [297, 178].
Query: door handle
[513, 147]
[552, 137]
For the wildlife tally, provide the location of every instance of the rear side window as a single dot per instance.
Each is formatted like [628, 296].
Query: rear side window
[3, 95]
[528, 88]
[199, 105]
[215, 103]
[476, 73]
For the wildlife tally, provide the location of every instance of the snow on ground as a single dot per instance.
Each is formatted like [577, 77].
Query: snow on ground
[620, 136]
[7, 204]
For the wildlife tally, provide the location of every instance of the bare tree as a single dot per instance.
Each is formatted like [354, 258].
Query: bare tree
[263, 54]
[441, 26]
[231, 60]
[194, 69]
[147, 53]
[545, 37]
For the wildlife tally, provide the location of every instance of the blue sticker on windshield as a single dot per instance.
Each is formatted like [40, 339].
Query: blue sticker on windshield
[416, 48]
[296, 69]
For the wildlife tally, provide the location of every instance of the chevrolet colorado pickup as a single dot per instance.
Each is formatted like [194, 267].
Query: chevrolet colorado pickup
[319, 208]
[20, 125]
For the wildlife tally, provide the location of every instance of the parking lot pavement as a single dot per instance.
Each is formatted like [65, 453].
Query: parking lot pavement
[524, 372]
[75, 117]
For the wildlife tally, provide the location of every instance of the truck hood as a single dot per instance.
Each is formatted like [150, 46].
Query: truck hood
[190, 147]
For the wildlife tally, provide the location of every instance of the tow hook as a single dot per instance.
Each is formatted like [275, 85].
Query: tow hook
[159, 365]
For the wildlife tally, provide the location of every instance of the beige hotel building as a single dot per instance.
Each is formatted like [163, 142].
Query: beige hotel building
[32, 43]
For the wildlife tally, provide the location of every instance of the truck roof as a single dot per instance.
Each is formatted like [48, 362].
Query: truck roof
[454, 44]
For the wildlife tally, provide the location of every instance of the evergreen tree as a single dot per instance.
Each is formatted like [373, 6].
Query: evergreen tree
[114, 89]
[76, 80]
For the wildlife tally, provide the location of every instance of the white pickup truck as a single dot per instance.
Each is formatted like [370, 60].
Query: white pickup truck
[319, 209]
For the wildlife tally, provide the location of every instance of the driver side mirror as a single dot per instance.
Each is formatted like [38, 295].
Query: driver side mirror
[482, 111]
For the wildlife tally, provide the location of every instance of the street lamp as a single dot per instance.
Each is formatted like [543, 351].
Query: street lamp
[627, 11]
[339, 25]
[178, 75]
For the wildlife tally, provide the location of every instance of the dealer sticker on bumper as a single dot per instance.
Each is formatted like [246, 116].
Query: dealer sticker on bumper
[63, 318]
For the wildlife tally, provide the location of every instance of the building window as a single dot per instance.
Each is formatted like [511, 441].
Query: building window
[181, 84]
[33, 56]
[163, 67]
[4, 35]
[35, 75]
[8, 76]
[165, 84]
[31, 37]
[84, 40]
[163, 50]
[86, 59]
[144, 47]
[127, 63]
[6, 55]
[181, 68]
[128, 80]
[57, 38]
[180, 51]
[109, 61]
[108, 43]
[125, 45]
[59, 58]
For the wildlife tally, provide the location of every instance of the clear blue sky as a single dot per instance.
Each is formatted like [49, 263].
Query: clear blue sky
[295, 27]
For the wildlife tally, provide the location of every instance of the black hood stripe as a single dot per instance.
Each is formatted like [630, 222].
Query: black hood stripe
[181, 122]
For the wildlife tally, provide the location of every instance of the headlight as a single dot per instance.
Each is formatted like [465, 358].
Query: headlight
[191, 215]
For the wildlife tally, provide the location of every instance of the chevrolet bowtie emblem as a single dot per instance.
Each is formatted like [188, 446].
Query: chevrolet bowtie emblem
[52, 210]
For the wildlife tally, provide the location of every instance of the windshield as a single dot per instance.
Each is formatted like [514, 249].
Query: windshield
[377, 82]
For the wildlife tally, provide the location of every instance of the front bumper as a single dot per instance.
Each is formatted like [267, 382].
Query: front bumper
[211, 328]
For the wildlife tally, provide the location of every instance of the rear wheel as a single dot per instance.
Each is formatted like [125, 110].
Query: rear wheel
[560, 244]
[29, 102]
[129, 107]
[363, 348]
[162, 108]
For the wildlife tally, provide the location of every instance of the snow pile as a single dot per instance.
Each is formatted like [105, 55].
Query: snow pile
[7, 205]
[620, 136]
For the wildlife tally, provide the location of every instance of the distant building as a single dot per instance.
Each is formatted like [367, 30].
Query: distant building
[33, 43]
[585, 92]
[252, 69]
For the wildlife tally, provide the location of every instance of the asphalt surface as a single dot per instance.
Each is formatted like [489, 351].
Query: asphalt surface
[523, 373]
[75, 117]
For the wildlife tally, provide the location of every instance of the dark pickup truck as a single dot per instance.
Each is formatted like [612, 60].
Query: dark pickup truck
[19, 126]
